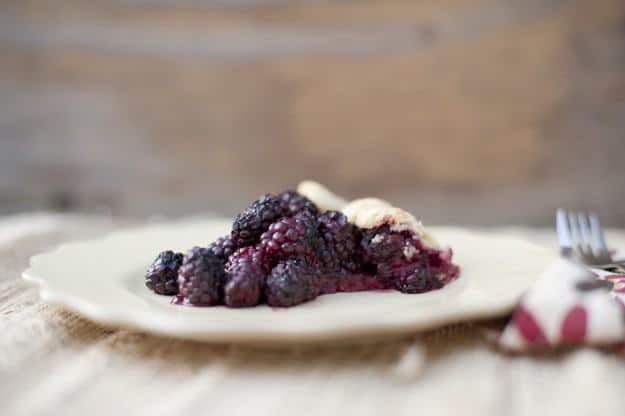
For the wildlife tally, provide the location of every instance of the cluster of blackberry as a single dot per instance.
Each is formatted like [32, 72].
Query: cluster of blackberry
[283, 252]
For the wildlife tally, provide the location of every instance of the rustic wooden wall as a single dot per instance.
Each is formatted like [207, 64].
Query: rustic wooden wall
[484, 111]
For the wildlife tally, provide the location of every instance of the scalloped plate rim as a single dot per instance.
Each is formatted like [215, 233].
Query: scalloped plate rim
[142, 322]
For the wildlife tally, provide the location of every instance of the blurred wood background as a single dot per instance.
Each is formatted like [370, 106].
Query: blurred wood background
[474, 112]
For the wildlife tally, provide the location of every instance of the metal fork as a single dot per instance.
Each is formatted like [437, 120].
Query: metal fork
[581, 238]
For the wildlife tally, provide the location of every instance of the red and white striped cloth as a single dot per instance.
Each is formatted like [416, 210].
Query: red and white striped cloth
[568, 305]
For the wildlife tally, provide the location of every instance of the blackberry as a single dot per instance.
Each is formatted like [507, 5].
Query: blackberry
[338, 245]
[401, 261]
[419, 281]
[380, 245]
[255, 219]
[245, 281]
[294, 203]
[162, 275]
[250, 254]
[201, 277]
[290, 283]
[290, 237]
[223, 247]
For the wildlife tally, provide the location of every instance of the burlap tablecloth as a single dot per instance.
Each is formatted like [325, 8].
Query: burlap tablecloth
[55, 362]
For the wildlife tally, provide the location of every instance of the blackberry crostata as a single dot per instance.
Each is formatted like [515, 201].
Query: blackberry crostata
[289, 248]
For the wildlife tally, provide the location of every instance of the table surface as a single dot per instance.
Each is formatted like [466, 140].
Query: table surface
[55, 362]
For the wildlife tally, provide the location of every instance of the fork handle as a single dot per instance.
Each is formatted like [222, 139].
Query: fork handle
[618, 267]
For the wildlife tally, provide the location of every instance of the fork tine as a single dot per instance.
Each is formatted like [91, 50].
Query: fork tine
[574, 227]
[597, 232]
[584, 230]
[579, 245]
[564, 233]
[601, 248]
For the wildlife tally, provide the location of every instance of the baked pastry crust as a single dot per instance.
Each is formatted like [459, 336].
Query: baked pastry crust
[367, 213]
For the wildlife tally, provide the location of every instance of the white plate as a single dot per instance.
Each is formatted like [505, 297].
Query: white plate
[103, 279]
